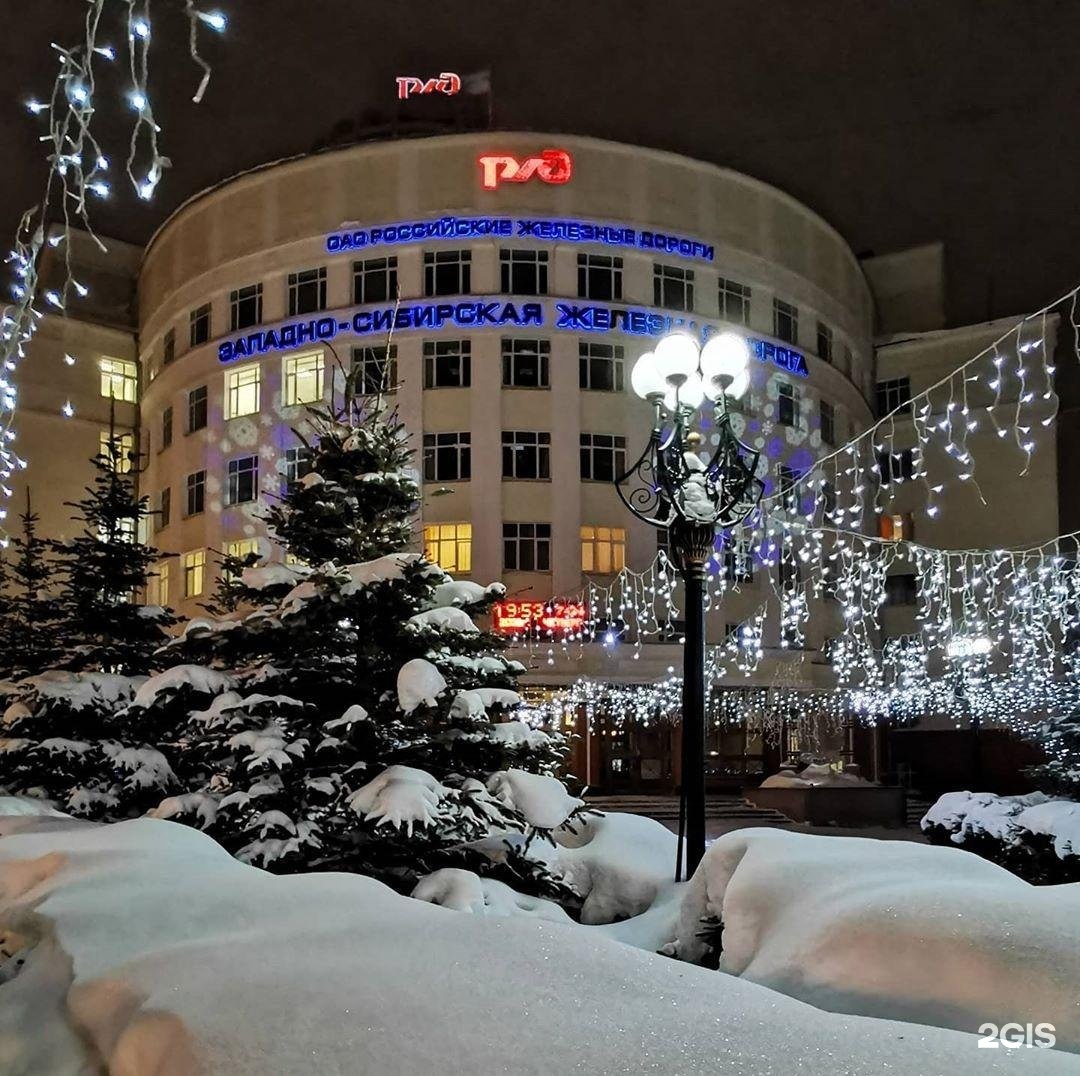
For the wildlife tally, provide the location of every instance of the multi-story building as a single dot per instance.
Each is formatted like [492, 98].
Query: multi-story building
[504, 313]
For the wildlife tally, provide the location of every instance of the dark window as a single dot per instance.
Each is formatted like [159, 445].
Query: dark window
[894, 395]
[199, 325]
[164, 508]
[785, 321]
[600, 366]
[603, 457]
[375, 369]
[673, 288]
[734, 302]
[375, 280]
[168, 347]
[738, 561]
[447, 272]
[447, 457]
[296, 464]
[196, 493]
[828, 501]
[447, 364]
[828, 422]
[896, 466]
[245, 307]
[900, 589]
[599, 276]
[166, 427]
[788, 409]
[527, 547]
[526, 454]
[785, 487]
[523, 272]
[525, 363]
[824, 341]
[196, 409]
[307, 291]
[243, 480]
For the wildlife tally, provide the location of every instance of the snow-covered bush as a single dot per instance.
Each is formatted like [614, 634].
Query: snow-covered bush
[1034, 836]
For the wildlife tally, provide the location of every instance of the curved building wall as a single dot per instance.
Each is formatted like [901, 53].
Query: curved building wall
[264, 226]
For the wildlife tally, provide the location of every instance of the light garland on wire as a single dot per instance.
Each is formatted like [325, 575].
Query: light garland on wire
[78, 171]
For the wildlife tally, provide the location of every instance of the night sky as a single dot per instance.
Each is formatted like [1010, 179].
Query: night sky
[900, 121]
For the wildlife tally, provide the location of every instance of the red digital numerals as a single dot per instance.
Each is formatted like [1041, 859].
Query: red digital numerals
[512, 618]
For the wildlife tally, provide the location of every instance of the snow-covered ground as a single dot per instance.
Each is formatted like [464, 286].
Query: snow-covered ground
[143, 948]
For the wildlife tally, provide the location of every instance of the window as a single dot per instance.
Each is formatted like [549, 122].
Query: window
[196, 409]
[523, 272]
[375, 280]
[600, 366]
[449, 545]
[374, 370]
[158, 585]
[788, 405]
[785, 487]
[196, 493]
[119, 379]
[168, 347]
[847, 359]
[447, 457]
[525, 363]
[243, 480]
[307, 291]
[603, 549]
[199, 325]
[599, 276]
[603, 457]
[894, 395]
[828, 422]
[900, 589]
[785, 321]
[447, 364]
[245, 307]
[734, 301]
[738, 561]
[242, 391]
[117, 450]
[829, 501]
[303, 379]
[896, 466]
[164, 508]
[296, 464]
[527, 547]
[824, 341]
[673, 288]
[241, 548]
[897, 526]
[526, 454]
[194, 568]
[447, 272]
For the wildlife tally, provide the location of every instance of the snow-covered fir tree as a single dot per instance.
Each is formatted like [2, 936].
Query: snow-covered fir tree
[367, 714]
[1059, 737]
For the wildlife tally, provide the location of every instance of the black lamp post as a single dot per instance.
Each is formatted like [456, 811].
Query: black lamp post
[671, 486]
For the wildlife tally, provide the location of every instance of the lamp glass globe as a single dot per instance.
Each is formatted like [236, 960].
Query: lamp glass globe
[726, 354]
[645, 377]
[687, 395]
[677, 355]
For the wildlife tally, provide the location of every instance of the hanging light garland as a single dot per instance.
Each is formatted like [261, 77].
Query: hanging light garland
[79, 171]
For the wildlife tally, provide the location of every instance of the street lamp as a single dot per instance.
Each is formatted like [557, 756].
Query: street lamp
[671, 486]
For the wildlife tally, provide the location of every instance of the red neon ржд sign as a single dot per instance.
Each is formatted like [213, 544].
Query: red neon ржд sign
[513, 618]
[549, 166]
[445, 82]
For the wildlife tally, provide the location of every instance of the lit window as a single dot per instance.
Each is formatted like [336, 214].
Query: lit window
[119, 379]
[447, 272]
[194, 569]
[788, 405]
[600, 366]
[307, 291]
[199, 325]
[303, 379]
[447, 457]
[603, 457]
[523, 272]
[374, 370]
[158, 585]
[449, 545]
[243, 480]
[785, 321]
[375, 280]
[447, 364]
[898, 526]
[525, 364]
[245, 307]
[599, 276]
[673, 288]
[527, 547]
[526, 454]
[117, 450]
[239, 550]
[242, 391]
[603, 549]
[734, 301]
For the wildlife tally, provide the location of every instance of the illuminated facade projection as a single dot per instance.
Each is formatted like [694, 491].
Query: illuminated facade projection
[501, 291]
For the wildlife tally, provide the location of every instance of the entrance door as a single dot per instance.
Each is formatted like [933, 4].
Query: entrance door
[635, 758]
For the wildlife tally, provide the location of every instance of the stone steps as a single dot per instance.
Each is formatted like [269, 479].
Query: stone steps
[666, 808]
[916, 808]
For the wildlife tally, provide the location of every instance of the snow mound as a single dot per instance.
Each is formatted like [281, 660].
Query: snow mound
[195, 975]
[447, 619]
[198, 677]
[542, 801]
[891, 929]
[461, 592]
[392, 566]
[1057, 819]
[402, 797]
[464, 891]
[25, 806]
[518, 734]
[274, 575]
[82, 690]
[419, 683]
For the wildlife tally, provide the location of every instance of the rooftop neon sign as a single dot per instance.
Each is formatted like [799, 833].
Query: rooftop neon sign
[549, 165]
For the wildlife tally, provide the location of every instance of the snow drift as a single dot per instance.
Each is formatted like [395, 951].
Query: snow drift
[146, 949]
